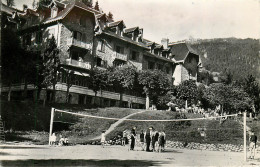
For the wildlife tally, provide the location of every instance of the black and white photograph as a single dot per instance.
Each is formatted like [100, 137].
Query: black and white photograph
[129, 83]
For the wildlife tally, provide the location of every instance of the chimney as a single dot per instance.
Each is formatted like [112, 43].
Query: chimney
[165, 42]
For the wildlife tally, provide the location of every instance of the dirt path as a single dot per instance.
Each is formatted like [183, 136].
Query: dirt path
[114, 125]
[90, 155]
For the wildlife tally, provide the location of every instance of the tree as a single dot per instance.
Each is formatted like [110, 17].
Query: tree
[45, 2]
[51, 64]
[35, 4]
[69, 75]
[123, 78]
[10, 3]
[96, 6]
[231, 98]
[110, 16]
[89, 3]
[11, 58]
[187, 90]
[155, 83]
[98, 80]
[252, 88]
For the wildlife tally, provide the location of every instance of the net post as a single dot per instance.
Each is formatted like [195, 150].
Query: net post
[51, 124]
[245, 158]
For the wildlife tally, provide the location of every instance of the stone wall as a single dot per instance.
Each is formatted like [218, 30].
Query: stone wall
[109, 53]
[72, 23]
[199, 146]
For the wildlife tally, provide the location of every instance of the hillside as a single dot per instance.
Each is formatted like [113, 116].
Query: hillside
[240, 57]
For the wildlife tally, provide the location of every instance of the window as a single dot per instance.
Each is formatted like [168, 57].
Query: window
[75, 55]
[77, 35]
[135, 56]
[38, 38]
[167, 70]
[82, 21]
[118, 63]
[54, 12]
[27, 39]
[189, 60]
[101, 63]
[151, 65]
[102, 46]
[159, 66]
[119, 49]
[99, 60]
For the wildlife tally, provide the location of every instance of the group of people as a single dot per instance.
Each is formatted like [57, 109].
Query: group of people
[150, 140]
[63, 141]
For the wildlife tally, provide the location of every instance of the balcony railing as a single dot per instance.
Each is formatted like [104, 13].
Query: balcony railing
[120, 56]
[75, 63]
[78, 43]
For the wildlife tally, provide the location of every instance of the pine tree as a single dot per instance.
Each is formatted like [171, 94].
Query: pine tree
[45, 2]
[10, 3]
[51, 62]
[89, 3]
[34, 4]
[110, 16]
[96, 6]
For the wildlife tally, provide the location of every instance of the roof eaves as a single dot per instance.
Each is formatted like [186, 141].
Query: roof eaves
[123, 38]
[162, 58]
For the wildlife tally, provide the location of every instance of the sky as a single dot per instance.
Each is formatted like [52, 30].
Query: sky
[183, 19]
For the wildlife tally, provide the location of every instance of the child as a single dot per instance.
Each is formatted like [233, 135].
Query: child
[66, 141]
[124, 140]
[103, 138]
[61, 143]
[53, 139]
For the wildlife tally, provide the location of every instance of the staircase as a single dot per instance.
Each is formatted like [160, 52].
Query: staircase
[2, 131]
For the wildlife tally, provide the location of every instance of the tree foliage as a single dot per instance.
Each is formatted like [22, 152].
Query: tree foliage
[10, 58]
[187, 90]
[252, 88]
[230, 97]
[96, 7]
[155, 83]
[51, 64]
[89, 3]
[98, 79]
[10, 3]
[45, 2]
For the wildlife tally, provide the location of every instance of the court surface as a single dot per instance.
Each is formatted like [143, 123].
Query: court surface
[91, 155]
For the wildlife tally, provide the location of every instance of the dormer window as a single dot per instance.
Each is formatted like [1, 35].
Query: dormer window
[54, 12]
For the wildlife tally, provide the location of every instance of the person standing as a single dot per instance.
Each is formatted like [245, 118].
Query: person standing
[252, 145]
[148, 139]
[142, 139]
[103, 138]
[124, 140]
[133, 136]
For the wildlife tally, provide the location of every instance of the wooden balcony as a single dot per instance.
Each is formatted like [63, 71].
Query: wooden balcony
[120, 56]
[75, 63]
[78, 43]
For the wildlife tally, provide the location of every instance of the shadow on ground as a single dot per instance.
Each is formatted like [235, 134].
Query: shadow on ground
[18, 147]
[69, 162]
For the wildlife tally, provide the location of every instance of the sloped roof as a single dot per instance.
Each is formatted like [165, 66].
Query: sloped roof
[158, 57]
[158, 47]
[9, 10]
[131, 29]
[62, 14]
[126, 39]
[116, 23]
[181, 51]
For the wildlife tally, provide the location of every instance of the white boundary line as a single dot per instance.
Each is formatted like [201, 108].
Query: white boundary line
[144, 120]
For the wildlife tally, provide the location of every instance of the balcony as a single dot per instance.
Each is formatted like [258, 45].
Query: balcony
[78, 43]
[75, 63]
[120, 56]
